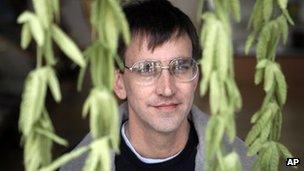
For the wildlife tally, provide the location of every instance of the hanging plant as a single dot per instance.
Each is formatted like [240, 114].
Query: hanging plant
[267, 29]
[34, 121]
[101, 105]
[108, 23]
[218, 77]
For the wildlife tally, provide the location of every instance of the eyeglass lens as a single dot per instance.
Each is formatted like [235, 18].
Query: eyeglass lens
[183, 70]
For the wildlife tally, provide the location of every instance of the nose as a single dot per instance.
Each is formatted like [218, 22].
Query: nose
[165, 85]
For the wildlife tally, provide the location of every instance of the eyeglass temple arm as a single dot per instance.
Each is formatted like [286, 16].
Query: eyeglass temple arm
[120, 63]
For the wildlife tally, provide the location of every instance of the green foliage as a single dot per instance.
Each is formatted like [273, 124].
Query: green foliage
[34, 122]
[262, 138]
[29, 18]
[218, 77]
[65, 158]
[232, 161]
[108, 23]
[25, 36]
[99, 157]
[67, 46]
[101, 104]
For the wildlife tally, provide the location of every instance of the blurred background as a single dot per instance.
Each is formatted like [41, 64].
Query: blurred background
[66, 116]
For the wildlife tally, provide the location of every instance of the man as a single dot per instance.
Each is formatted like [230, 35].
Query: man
[161, 129]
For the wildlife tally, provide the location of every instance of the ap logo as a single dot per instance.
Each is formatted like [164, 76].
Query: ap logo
[292, 161]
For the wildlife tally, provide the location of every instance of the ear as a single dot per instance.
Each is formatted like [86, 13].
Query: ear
[119, 87]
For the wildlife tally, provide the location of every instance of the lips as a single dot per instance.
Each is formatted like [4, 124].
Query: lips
[166, 106]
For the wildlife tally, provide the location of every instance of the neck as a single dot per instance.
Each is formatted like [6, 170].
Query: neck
[152, 144]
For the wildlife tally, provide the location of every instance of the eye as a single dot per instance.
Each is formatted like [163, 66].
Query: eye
[146, 68]
[181, 66]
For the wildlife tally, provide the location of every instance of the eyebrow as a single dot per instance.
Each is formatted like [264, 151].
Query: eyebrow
[178, 57]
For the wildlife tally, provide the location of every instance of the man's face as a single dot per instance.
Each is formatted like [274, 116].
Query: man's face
[165, 104]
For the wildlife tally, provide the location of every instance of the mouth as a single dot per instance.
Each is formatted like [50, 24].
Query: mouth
[166, 106]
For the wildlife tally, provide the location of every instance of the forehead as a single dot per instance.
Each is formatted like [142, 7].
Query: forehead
[176, 46]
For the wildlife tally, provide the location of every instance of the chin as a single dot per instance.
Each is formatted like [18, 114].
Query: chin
[166, 125]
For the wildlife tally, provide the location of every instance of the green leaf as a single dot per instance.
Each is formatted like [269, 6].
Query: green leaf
[41, 10]
[282, 4]
[274, 40]
[255, 147]
[267, 10]
[35, 26]
[257, 163]
[266, 133]
[33, 157]
[123, 24]
[99, 157]
[54, 85]
[237, 97]
[236, 10]
[209, 33]
[215, 95]
[231, 128]
[67, 46]
[258, 127]
[258, 76]
[269, 77]
[255, 116]
[209, 45]
[274, 162]
[105, 155]
[249, 42]
[263, 41]
[281, 86]
[115, 125]
[259, 142]
[283, 25]
[32, 102]
[286, 14]
[277, 125]
[266, 157]
[256, 18]
[214, 134]
[111, 31]
[94, 117]
[262, 64]
[51, 136]
[80, 78]
[56, 8]
[284, 151]
[232, 162]
[86, 106]
[222, 52]
[25, 36]
[65, 158]
[48, 50]
[204, 86]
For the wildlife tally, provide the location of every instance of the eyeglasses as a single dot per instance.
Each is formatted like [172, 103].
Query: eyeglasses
[184, 69]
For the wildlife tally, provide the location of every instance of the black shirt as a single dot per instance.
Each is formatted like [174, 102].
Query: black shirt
[185, 160]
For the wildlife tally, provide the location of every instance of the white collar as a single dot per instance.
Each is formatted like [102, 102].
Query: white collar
[141, 158]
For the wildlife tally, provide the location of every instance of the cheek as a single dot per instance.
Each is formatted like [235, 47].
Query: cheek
[187, 90]
[137, 93]
[186, 94]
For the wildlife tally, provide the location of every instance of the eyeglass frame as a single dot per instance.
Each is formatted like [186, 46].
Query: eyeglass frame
[131, 69]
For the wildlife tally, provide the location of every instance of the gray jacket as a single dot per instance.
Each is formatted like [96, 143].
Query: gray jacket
[200, 121]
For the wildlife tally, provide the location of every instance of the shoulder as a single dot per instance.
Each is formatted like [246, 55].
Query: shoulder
[200, 120]
[78, 163]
